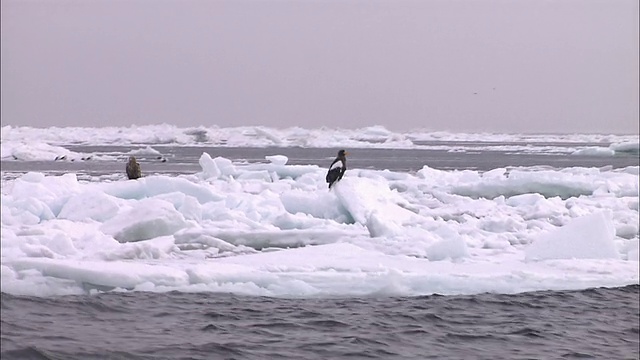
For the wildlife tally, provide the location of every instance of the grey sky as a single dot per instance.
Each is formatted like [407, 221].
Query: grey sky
[457, 65]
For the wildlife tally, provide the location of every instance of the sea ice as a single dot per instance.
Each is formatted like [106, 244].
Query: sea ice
[273, 229]
[586, 237]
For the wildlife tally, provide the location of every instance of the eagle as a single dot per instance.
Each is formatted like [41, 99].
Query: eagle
[337, 168]
[133, 169]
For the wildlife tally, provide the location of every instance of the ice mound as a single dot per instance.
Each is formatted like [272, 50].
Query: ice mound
[372, 203]
[96, 206]
[37, 152]
[631, 147]
[147, 219]
[151, 186]
[216, 168]
[587, 237]
[451, 248]
[277, 159]
[516, 182]
[595, 151]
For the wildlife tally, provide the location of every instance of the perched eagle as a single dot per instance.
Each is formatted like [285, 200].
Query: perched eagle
[337, 168]
[133, 168]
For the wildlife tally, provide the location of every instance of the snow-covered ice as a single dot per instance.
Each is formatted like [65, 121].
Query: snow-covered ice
[274, 229]
[27, 143]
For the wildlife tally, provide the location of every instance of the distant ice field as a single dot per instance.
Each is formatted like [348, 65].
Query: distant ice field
[169, 149]
[256, 136]
[453, 217]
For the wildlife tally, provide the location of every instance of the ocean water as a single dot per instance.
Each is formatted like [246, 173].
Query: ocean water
[600, 323]
[595, 323]
[184, 159]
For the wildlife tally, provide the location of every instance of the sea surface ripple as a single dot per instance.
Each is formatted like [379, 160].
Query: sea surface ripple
[595, 323]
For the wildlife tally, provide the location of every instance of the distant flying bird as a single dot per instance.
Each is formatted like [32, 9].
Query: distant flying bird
[337, 168]
[133, 169]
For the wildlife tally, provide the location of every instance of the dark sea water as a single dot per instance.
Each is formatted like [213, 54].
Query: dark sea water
[595, 323]
[184, 159]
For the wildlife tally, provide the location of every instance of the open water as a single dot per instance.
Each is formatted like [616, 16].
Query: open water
[594, 323]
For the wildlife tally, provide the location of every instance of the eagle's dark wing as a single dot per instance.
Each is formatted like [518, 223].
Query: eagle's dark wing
[336, 171]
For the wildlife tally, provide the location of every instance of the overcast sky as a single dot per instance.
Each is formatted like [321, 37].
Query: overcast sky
[457, 65]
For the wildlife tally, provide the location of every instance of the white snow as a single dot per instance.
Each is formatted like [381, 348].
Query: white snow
[274, 229]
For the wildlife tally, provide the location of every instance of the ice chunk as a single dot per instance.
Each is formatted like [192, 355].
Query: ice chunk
[89, 205]
[209, 168]
[372, 203]
[277, 159]
[148, 219]
[587, 237]
[451, 248]
[595, 151]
